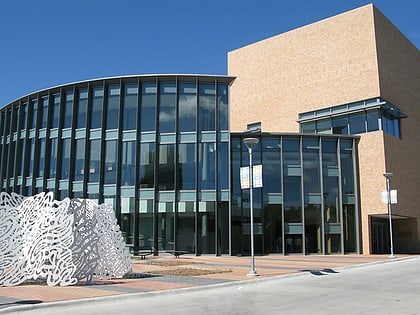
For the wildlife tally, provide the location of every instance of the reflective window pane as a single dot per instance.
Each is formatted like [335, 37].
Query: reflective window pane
[222, 103]
[167, 102]
[96, 109]
[110, 171]
[166, 170]
[95, 160]
[82, 108]
[187, 100]
[207, 106]
[113, 111]
[128, 163]
[55, 110]
[147, 160]
[130, 106]
[68, 109]
[148, 107]
[187, 166]
[357, 123]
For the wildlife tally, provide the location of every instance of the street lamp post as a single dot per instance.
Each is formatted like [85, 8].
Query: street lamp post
[388, 191]
[249, 142]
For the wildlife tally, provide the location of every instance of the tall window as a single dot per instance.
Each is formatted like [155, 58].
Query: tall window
[44, 112]
[167, 104]
[207, 166]
[82, 108]
[97, 105]
[147, 161]
[187, 107]
[187, 166]
[110, 172]
[79, 160]
[148, 107]
[166, 170]
[113, 107]
[68, 109]
[130, 106]
[65, 158]
[53, 157]
[55, 110]
[95, 160]
[207, 106]
[128, 163]
[222, 103]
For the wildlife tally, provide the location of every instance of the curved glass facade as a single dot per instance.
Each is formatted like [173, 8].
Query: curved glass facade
[308, 203]
[154, 147]
[158, 149]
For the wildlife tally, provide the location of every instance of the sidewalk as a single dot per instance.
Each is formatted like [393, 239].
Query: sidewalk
[168, 273]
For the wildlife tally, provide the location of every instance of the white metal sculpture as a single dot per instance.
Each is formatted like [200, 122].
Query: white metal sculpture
[62, 242]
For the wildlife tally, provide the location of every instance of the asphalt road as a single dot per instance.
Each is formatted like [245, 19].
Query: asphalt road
[392, 287]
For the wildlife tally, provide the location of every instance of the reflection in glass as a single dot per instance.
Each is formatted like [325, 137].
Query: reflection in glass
[357, 123]
[330, 196]
[187, 166]
[292, 193]
[186, 226]
[110, 171]
[82, 108]
[113, 111]
[55, 111]
[128, 163]
[43, 112]
[53, 158]
[148, 107]
[207, 166]
[96, 107]
[65, 158]
[68, 109]
[34, 105]
[312, 193]
[166, 170]
[147, 160]
[222, 103]
[187, 102]
[127, 219]
[165, 229]
[130, 106]
[223, 165]
[95, 160]
[207, 106]
[206, 228]
[167, 102]
[79, 161]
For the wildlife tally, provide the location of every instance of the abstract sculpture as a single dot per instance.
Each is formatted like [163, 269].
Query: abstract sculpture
[62, 242]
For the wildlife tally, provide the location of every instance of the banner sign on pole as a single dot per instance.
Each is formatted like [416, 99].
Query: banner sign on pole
[393, 193]
[256, 176]
[245, 177]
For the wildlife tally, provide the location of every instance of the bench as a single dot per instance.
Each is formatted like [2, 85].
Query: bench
[142, 251]
[177, 253]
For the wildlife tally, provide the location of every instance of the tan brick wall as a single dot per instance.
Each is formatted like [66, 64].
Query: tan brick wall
[399, 73]
[320, 65]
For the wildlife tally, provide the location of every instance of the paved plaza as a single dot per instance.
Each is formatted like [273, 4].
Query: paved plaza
[158, 273]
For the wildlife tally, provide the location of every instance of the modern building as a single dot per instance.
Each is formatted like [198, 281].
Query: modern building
[333, 105]
[351, 74]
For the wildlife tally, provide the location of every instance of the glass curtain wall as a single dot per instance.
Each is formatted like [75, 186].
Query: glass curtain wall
[309, 196]
[155, 148]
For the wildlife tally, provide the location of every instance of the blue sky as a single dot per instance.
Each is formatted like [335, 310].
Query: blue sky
[45, 43]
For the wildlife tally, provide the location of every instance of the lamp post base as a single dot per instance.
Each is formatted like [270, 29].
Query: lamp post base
[252, 273]
[392, 256]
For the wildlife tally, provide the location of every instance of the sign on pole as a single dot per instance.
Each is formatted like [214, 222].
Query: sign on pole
[393, 193]
[256, 176]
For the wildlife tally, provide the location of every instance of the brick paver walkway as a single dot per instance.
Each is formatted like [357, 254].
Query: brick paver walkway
[154, 276]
